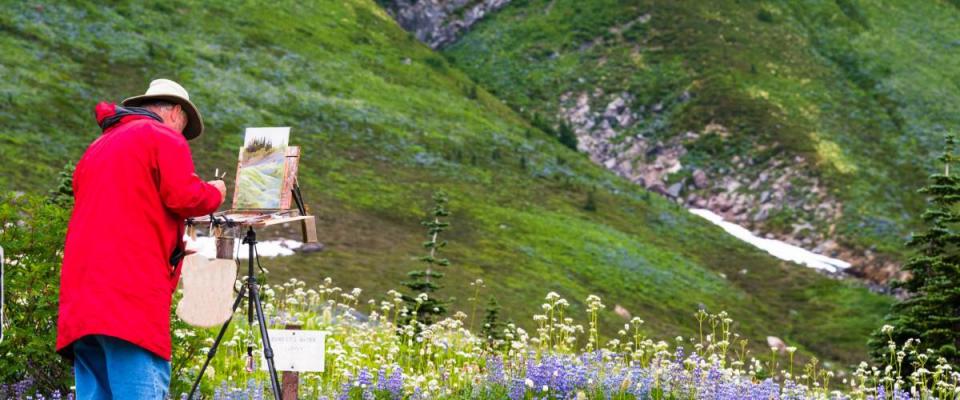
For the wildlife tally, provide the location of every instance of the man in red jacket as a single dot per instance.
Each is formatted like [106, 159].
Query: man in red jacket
[133, 187]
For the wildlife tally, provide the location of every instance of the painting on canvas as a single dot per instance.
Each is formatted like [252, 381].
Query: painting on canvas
[261, 170]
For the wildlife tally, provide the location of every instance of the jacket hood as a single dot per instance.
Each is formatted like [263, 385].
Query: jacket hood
[110, 115]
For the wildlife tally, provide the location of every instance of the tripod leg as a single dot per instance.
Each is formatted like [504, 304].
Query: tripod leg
[216, 343]
[267, 350]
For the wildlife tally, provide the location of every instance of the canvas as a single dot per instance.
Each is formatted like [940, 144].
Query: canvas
[260, 174]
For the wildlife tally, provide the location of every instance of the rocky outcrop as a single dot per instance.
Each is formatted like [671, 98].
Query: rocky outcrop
[776, 198]
[440, 22]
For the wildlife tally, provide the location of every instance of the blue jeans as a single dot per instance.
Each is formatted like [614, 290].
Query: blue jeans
[109, 368]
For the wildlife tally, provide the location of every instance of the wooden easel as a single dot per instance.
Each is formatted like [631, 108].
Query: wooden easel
[233, 221]
[262, 218]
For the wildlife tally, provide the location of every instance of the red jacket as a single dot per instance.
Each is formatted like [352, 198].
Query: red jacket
[133, 187]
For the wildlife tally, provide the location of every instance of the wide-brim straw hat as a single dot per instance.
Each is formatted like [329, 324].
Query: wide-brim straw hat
[170, 91]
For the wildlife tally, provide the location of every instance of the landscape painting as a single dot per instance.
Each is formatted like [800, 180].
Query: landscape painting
[261, 169]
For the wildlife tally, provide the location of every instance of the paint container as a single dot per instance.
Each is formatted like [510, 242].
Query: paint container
[225, 247]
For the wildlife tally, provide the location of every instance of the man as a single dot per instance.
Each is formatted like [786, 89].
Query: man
[133, 187]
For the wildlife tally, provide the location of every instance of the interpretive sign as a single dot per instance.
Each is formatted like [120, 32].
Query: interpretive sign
[297, 351]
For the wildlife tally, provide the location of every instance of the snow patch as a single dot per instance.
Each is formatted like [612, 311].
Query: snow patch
[206, 246]
[781, 250]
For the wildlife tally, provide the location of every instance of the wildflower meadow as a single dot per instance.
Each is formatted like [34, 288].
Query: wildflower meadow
[370, 354]
[581, 155]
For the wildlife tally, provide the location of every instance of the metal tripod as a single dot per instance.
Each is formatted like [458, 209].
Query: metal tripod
[251, 289]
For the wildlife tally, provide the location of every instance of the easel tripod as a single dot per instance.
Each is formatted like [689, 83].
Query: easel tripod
[250, 289]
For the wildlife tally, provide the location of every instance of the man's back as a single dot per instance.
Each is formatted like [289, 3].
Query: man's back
[133, 187]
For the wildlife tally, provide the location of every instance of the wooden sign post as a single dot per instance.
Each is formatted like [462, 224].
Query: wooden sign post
[296, 351]
[291, 379]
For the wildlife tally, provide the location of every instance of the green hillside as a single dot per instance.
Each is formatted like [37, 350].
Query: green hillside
[863, 91]
[384, 121]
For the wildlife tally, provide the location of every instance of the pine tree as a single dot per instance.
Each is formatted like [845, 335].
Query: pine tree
[566, 136]
[931, 313]
[492, 328]
[424, 306]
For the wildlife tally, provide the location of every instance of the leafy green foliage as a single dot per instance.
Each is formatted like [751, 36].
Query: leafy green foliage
[63, 194]
[32, 231]
[930, 314]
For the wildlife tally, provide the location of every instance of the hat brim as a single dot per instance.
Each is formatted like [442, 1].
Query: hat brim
[194, 126]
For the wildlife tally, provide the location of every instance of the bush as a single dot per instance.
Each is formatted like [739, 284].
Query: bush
[765, 15]
[32, 231]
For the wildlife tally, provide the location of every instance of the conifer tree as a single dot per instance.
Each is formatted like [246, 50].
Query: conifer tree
[931, 313]
[566, 136]
[423, 305]
[492, 328]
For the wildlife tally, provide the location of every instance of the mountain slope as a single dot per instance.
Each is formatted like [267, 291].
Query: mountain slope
[812, 121]
[383, 122]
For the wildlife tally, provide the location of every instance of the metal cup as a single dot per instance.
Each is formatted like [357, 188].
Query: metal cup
[225, 247]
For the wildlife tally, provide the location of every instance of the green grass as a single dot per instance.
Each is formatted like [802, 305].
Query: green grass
[383, 122]
[863, 90]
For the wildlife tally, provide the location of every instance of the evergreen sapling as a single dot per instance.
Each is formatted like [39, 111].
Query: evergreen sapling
[424, 307]
[492, 328]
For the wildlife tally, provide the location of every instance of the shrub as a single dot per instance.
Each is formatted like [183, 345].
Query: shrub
[32, 231]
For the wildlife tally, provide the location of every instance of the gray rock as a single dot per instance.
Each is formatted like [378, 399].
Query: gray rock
[441, 22]
[765, 196]
[311, 248]
[700, 179]
[675, 189]
[762, 215]
[777, 343]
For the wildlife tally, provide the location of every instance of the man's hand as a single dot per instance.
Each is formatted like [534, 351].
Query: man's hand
[222, 187]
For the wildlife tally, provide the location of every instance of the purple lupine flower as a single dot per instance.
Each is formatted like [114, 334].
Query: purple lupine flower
[395, 383]
[382, 378]
[20, 388]
[518, 390]
[345, 389]
[255, 390]
[365, 381]
[495, 371]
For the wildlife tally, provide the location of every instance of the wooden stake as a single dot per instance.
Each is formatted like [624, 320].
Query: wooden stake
[291, 380]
